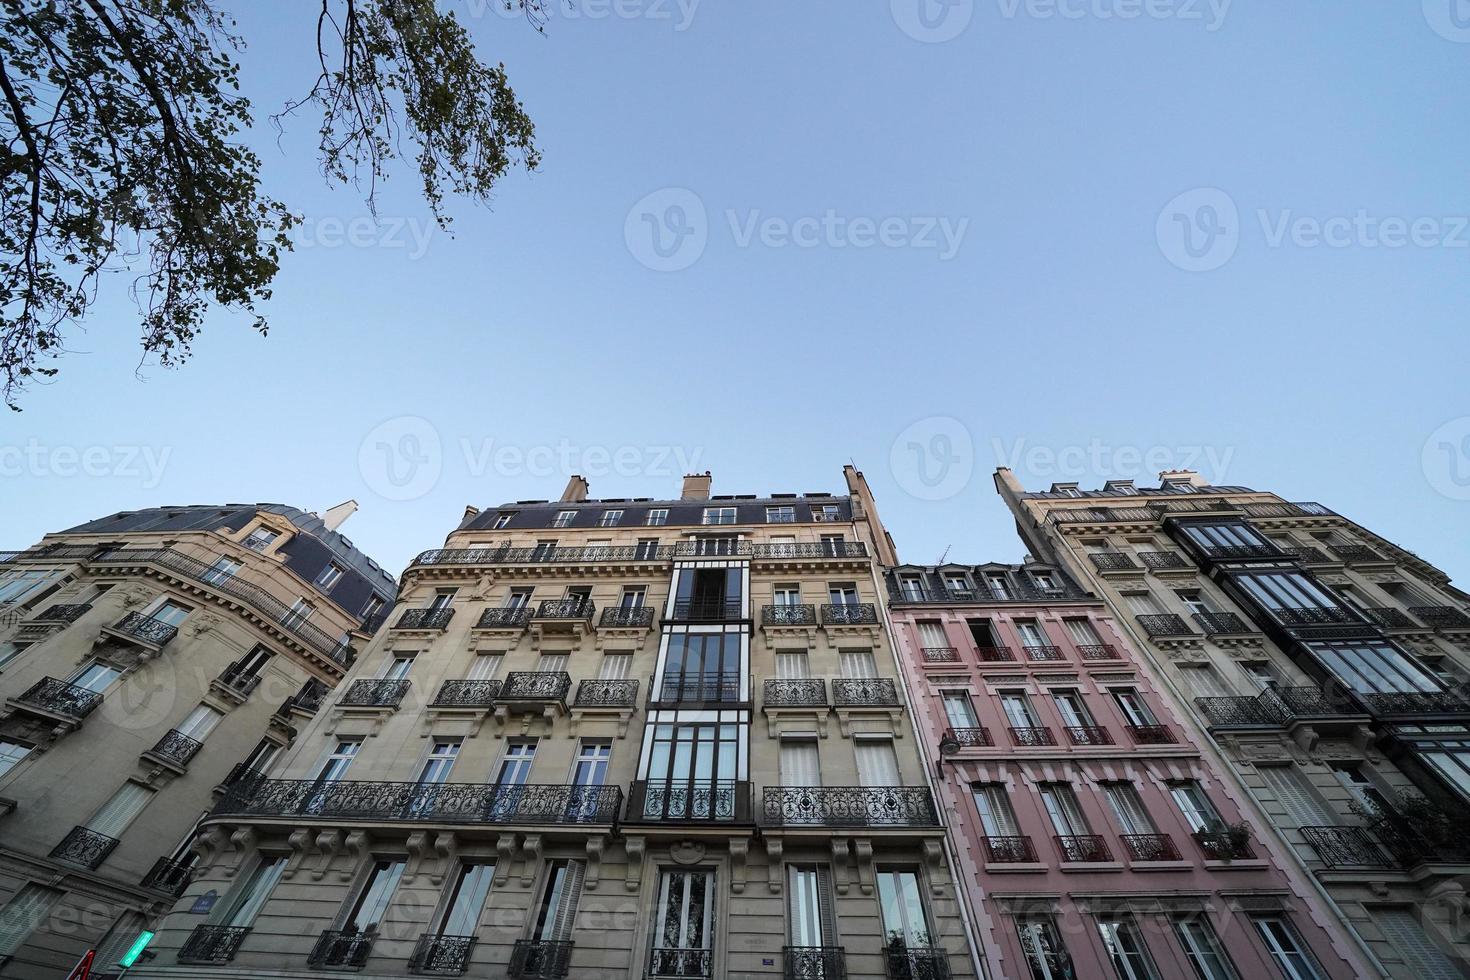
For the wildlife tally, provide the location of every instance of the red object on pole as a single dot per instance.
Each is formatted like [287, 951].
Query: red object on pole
[83, 969]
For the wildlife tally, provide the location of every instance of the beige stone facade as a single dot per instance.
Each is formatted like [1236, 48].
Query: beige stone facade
[616, 738]
[1326, 664]
[143, 658]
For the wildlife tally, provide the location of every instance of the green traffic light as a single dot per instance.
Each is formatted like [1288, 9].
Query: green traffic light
[135, 950]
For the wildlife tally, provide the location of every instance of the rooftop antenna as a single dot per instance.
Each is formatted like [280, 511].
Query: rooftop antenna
[945, 555]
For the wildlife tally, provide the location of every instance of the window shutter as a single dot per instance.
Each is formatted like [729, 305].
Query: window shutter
[22, 914]
[566, 909]
[117, 813]
[877, 763]
[200, 723]
[1290, 787]
[1413, 945]
[1081, 632]
[825, 908]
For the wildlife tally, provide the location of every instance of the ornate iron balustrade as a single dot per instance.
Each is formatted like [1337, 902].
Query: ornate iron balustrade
[572, 608]
[955, 739]
[1355, 552]
[213, 944]
[1416, 703]
[375, 693]
[467, 694]
[995, 655]
[539, 959]
[234, 677]
[60, 697]
[1032, 736]
[504, 618]
[1150, 847]
[1213, 623]
[442, 955]
[310, 698]
[849, 806]
[62, 613]
[85, 848]
[1113, 561]
[146, 629]
[810, 549]
[176, 747]
[603, 693]
[1020, 591]
[1229, 552]
[423, 802]
[926, 963]
[939, 655]
[1222, 846]
[1347, 847]
[1239, 712]
[1314, 616]
[1307, 555]
[536, 685]
[795, 692]
[865, 692]
[1159, 561]
[1308, 702]
[813, 963]
[680, 962]
[698, 801]
[337, 947]
[1151, 734]
[1009, 850]
[1098, 651]
[1390, 617]
[705, 610]
[425, 619]
[1441, 617]
[1043, 652]
[1088, 735]
[1164, 624]
[849, 614]
[242, 775]
[1303, 509]
[544, 556]
[698, 689]
[790, 614]
[170, 877]
[626, 617]
[1083, 847]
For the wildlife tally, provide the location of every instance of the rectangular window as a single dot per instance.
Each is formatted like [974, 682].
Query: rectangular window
[398, 666]
[877, 762]
[261, 539]
[486, 666]
[842, 594]
[466, 900]
[1203, 681]
[200, 722]
[1426, 961]
[25, 911]
[1042, 946]
[502, 521]
[615, 666]
[1126, 949]
[610, 518]
[792, 665]
[372, 902]
[169, 612]
[117, 942]
[800, 762]
[900, 899]
[330, 576]
[719, 515]
[1135, 711]
[1196, 807]
[12, 753]
[10, 650]
[657, 517]
[564, 518]
[826, 513]
[1080, 630]
[1065, 813]
[784, 514]
[1018, 710]
[222, 570]
[556, 916]
[1000, 586]
[440, 762]
[683, 926]
[959, 710]
[115, 816]
[515, 765]
[336, 764]
[590, 767]
[809, 912]
[298, 614]
[1451, 760]
[857, 663]
[552, 662]
[1128, 809]
[997, 817]
[1072, 708]
[1293, 958]
[443, 598]
[96, 677]
[1204, 950]
[1374, 667]
[1295, 795]
[247, 900]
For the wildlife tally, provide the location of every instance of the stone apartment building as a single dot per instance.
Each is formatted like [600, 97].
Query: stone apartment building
[625, 738]
[1326, 665]
[147, 659]
[1097, 838]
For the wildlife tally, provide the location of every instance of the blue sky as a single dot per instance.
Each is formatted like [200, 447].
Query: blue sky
[1085, 237]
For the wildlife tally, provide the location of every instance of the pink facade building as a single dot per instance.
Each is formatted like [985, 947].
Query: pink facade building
[1097, 836]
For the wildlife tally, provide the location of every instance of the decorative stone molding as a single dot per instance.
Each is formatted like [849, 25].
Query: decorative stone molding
[299, 842]
[358, 844]
[505, 847]
[242, 844]
[839, 864]
[739, 853]
[687, 852]
[328, 845]
[445, 844]
[595, 844]
[633, 847]
[863, 853]
[934, 858]
[417, 846]
[531, 849]
[773, 865]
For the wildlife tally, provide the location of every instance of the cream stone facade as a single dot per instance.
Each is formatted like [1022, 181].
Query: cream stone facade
[1327, 666]
[147, 659]
[616, 738]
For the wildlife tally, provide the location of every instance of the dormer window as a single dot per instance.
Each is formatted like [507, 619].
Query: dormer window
[826, 512]
[611, 518]
[1045, 581]
[783, 514]
[1179, 487]
[658, 517]
[1126, 489]
[719, 515]
[564, 518]
[330, 576]
[261, 538]
[1066, 489]
[502, 521]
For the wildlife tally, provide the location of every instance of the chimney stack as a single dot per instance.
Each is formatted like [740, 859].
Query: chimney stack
[696, 486]
[333, 518]
[576, 490]
[1182, 476]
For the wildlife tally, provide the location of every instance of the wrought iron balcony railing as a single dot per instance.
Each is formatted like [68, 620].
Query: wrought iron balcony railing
[940, 655]
[1162, 561]
[1150, 847]
[1032, 736]
[795, 692]
[917, 963]
[176, 747]
[423, 802]
[61, 698]
[1315, 616]
[1083, 847]
[1113, 561]
[85, 848]
[1239, 712]
[337, 947]
[375, 693]
[505, 555]
[1088, 735]
[213, 944]
[1307, 555]
[789, 614]
[536, 685]
[1043, 652]
[1292, 703]
[540, 959]
[310, 698]
[1238, 552]
[1098, 651]
[146, 629]
[1441, 617]
[809, 549]
[955, 739]
[1223, 846]
[995, 655]
[865, 692]
[1355, 552]
[849, 614]
[573, 609]
[849, 806]
[62, 613]
[1402, 703]
[169, 877]
[1390, 617]
[504, 618]
[1300, 509]
[236, 677]
[605, 693]
[1017, 591]
[1151, 734]
[1214, 623]
[697, 689]
[680, 962]
[1009, 850]
[467, 694]
[705, 610]
[241, 774]
[813, 963]
[425, 619]
[696, 801]
[1348, 847]
[441, 955]
[626, 617]
[1164, 624]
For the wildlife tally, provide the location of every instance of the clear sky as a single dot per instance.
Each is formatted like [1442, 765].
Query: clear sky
[1090, 238]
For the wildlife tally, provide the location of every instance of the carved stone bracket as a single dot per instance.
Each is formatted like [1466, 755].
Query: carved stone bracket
[358, 842]
[773, 865]
[531, 848]
[739, 852]
[300, 843]
[863, 850]
[594, 861]
[242, 842]
[634, 847]
[210, 846]
[934, 858]
[417, 846]
[445, 844]
[328, 845]
[505, 846]
[840, 848]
